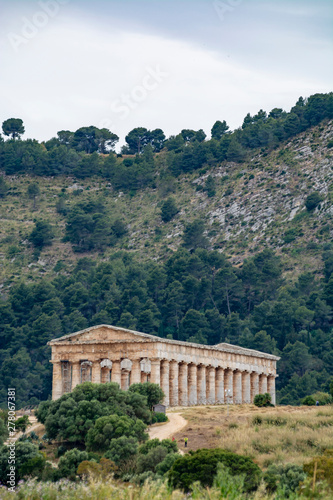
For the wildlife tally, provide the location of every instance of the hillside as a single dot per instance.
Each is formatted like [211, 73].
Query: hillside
[179, 242]
[257, 204]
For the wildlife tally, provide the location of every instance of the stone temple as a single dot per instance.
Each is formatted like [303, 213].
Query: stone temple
[188, 373]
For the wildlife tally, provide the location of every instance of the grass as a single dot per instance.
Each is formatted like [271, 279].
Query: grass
[279, 435]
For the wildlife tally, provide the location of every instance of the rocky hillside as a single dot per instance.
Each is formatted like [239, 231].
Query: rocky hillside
[255, 204]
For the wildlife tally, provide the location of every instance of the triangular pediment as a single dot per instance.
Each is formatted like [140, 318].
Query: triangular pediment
[104, 333]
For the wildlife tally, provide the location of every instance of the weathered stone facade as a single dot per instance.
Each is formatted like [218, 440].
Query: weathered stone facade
[188, 373]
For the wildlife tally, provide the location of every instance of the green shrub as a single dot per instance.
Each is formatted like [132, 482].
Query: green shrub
[324, 466]
[74, 414]
[34, 436]
[308, 401]
[169, 210]
[166, 464]
[171, 446]
[323, 398]
[313, 200]
[121, 449]
[230, 486]
[286, 477]
[69, 463]
[151, 460]
[61, 450]
[158, 417]
[22, 423]
[201, 465]
[257, 420]
[106, 429]
[28, 461]
[262, 400]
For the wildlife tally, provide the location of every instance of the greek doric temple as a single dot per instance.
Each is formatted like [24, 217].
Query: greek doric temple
[188, 373]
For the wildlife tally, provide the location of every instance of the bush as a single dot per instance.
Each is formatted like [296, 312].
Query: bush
[308, 401]
[201, 466]
[166, 464]
[169, 210]
[22, 423]
[61, 450]
[171, 446]
[34, 436]
[71, 416]
[121, 449]
[262, 400]
[98, 471]
[108, 428]
[29, 461]
[69, 463]
[158, 417]
[230, 486]
[151, 460]
[42, 234]
[3, 431]
[313, 200]
[323, 398]
[152, 392]
[324, 467]
[286, 477]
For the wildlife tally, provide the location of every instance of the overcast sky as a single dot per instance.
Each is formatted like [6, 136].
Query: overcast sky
[169, 64]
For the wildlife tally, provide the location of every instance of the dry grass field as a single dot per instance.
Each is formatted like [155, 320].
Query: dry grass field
[268, 435]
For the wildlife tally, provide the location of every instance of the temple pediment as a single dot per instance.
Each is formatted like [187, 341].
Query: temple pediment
[103, 333]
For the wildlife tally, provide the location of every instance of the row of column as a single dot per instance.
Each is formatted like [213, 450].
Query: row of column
[184, 384]
[189, 384]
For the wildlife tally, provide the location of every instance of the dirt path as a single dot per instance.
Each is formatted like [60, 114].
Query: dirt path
[175, 424]
[35, 426]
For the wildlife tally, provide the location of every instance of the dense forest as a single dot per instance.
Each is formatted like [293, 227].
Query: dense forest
[196, 293]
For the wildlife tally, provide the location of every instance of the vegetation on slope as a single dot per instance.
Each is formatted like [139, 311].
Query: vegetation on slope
[185, 240]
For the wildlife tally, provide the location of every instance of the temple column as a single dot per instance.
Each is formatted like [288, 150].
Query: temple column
[165, 375]
[125, 367]
[237, 387]
[106, 367]
[174, 383]
[145, 366]
[192, 385]
[201, 376]
[263, 383]
[96, 372]
[219, 386]
[155, 375]
[229, 386]
[271, 388]
[86, 368]
[136, 372]
[105, 375]
[254, 385]
[183, 388]
[56, 380]
[116, 372]
[210, 392]
[76, 374]
[246, 387]
[125, 379]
